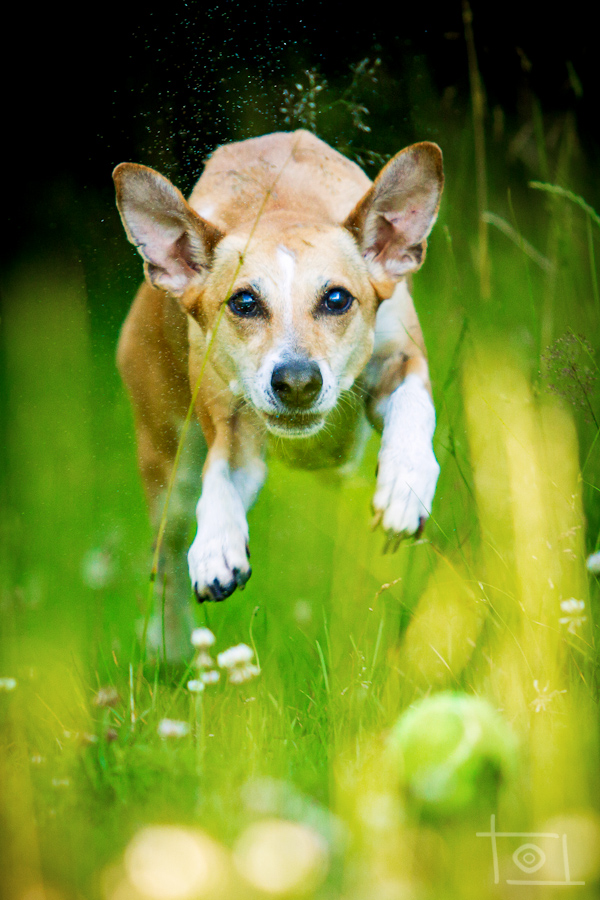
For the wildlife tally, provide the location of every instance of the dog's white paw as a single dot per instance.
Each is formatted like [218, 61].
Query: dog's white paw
[405, 490]
[408, 470]
[218, 558]
[218, 564]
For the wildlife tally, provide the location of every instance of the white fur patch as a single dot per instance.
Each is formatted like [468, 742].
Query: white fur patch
[218, 554]
[248, 481]
[391, 315]
[408, 469]
[287, 265]
[206, 210]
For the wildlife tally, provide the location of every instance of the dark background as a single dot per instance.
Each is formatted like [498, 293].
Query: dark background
[87, 89]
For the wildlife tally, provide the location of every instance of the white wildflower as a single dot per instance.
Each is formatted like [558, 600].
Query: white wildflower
[593, 563]
[235, 656]
[7, 684]
[544, 696]
[573, 618]
[196, 686]
[202, 638]
[204, 660]
[210, 677]
[238, 662]
[240, 674]
[168, 728]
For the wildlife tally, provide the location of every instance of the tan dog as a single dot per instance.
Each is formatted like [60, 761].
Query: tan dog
[310, 261]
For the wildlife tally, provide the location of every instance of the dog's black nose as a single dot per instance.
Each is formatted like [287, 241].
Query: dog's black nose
[297, 382]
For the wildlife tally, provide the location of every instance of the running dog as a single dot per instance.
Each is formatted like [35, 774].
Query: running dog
[278, 297]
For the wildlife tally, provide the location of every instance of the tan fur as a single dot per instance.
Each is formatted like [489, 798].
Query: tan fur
[286, 218]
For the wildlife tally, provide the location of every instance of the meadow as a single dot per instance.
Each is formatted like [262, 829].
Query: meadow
[291, 783]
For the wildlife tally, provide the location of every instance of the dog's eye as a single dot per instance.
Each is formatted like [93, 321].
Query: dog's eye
[244, 303]
[336, 301]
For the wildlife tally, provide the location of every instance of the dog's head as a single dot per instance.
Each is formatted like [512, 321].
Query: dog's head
[300, 293]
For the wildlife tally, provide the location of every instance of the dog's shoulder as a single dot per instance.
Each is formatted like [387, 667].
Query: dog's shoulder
[288, 168]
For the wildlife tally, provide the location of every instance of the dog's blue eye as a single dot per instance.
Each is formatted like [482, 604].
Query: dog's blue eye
[337, 300]
[244, 303]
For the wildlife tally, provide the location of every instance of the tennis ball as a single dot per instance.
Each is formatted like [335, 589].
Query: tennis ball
[454, 750]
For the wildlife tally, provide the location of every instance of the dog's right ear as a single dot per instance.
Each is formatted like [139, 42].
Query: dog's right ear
[175, 243]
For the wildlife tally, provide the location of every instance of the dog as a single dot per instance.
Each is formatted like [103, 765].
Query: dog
[293, 270]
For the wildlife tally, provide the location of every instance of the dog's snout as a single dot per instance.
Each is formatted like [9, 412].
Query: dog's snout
[297, 382]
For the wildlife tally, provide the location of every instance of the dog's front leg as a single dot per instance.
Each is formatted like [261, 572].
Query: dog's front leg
[407, 468]
[218, 557]
[233, 475]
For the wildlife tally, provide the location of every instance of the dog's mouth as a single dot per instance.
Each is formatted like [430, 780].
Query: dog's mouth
[296, 424]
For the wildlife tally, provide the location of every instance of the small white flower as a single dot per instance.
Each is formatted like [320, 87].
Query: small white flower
[202, 638]
[544, 696]
[593, 563]
[210, 677]
[573, 618]
[204, 660]
[572, 605]
[195, 686]
[168, 728]
[235, 656]
[240, 674]
[8, 684]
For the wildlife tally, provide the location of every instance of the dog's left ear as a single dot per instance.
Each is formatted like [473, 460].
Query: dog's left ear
[393, 219]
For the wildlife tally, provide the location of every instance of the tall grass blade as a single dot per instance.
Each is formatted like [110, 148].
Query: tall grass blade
[517, 238]
[559, 191]
[478, 106]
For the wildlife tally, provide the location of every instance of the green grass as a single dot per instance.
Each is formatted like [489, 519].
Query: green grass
[348, 638]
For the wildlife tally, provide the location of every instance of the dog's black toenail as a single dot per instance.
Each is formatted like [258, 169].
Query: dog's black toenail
[242, 578]
[218, 591]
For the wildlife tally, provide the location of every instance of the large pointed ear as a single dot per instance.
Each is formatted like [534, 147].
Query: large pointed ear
[393, 219]
[174, 241]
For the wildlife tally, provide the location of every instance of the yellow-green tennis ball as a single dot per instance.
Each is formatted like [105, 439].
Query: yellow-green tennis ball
[454, 750]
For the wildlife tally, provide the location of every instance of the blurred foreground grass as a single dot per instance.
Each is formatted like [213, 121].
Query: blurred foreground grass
[285, 785]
